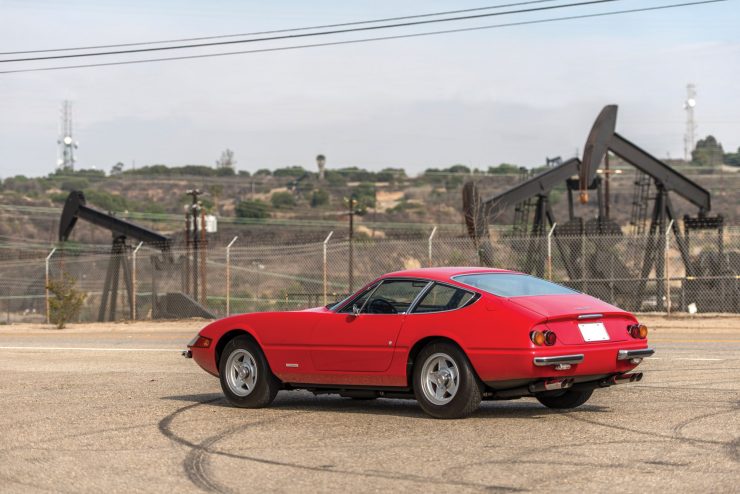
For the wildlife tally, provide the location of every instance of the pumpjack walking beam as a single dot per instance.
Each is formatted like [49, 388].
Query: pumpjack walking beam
[75, 208]
[479, 212]
[603, 138]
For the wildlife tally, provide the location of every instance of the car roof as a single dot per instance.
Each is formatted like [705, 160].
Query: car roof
[442, 274]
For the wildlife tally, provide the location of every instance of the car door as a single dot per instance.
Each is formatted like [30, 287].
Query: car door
[363, 339]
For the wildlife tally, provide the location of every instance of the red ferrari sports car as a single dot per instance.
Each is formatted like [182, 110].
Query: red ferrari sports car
[448, 337]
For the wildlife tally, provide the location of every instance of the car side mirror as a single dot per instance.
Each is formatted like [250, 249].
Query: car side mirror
[356, 310]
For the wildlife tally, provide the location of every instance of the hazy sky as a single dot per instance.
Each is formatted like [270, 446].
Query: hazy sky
[515, 94]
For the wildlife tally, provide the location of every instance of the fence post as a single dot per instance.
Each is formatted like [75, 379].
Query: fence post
[549, 251]
[583, 258]
[666, 276]
[431, 236]
[326, 284]
[133, 281]
[228, 276]
[46, 285]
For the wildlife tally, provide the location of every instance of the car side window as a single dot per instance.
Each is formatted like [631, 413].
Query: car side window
[393, 297]
[359, 301]
[442, 298]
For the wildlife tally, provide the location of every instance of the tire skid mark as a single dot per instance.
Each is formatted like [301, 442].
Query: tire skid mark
[731, 447]
[194, 462]
[525, 458]
[197, 468]
[733, 450]
[73, 436]
[696, 442]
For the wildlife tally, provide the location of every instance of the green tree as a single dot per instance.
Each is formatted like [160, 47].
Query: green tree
[226, 160]
[252, 209]
[733, 159]
[105, 200]
[708, 152]
[319, 197]
[503, 169]
[74, 183]
[391, 175]
[290, 171]
[282, 200]
[116, 169]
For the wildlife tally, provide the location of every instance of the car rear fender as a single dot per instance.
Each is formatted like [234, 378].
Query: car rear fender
[416, 348]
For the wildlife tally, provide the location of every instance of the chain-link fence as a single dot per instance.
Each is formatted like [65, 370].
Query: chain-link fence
[663, 273]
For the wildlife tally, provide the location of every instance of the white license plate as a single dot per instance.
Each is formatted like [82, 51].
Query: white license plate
[593, 331]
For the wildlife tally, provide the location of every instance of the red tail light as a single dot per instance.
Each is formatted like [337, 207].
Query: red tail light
[639, 331]
[537, 337]
[550, 338]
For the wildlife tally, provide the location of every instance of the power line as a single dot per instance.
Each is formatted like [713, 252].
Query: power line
[366, 40]
[306, 35]
[259, 33]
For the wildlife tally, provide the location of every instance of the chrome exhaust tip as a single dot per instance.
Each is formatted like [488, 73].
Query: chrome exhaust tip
[623, 379]
[551, 384]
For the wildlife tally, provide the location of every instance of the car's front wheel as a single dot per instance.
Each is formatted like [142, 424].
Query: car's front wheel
[444, 382]
[246, 378]
[570, 398]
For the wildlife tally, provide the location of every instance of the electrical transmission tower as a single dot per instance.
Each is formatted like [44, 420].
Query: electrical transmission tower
[688, 105]
[67, 144]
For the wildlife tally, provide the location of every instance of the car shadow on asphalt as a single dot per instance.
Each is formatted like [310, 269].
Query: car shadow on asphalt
[306, 402]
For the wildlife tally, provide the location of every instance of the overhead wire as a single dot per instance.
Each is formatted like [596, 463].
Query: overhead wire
[313, 34]
[367, 40]
[277, 31]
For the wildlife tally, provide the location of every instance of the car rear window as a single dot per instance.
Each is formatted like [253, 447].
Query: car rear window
[512, 285]
[443, 298]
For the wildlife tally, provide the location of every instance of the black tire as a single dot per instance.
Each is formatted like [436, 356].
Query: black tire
[560, 400]
[467, 397]
[258, 389]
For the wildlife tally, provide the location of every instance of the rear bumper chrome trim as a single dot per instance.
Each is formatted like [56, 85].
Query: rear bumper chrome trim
[558, 359]
[630, 354]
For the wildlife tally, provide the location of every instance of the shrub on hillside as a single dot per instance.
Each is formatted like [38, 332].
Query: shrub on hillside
[282, 200]
[251, 209]
[66, 301]
[319, 197]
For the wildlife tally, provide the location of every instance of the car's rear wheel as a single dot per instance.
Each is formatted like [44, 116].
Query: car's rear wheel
[444, 382]
[246, 378]
[570, 398]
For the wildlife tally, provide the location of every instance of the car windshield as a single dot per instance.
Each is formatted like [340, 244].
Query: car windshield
[512, 285]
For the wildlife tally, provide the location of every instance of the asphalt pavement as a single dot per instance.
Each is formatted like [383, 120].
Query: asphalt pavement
[117, 409]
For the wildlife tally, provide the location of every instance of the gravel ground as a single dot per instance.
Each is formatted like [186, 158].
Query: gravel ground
[114, 407]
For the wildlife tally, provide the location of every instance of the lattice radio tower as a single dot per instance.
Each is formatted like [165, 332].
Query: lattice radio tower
[688, 105]
[67, 145]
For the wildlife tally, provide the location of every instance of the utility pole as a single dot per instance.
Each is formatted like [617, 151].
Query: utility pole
[351, 240]
[352, 205]
[193, 216]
